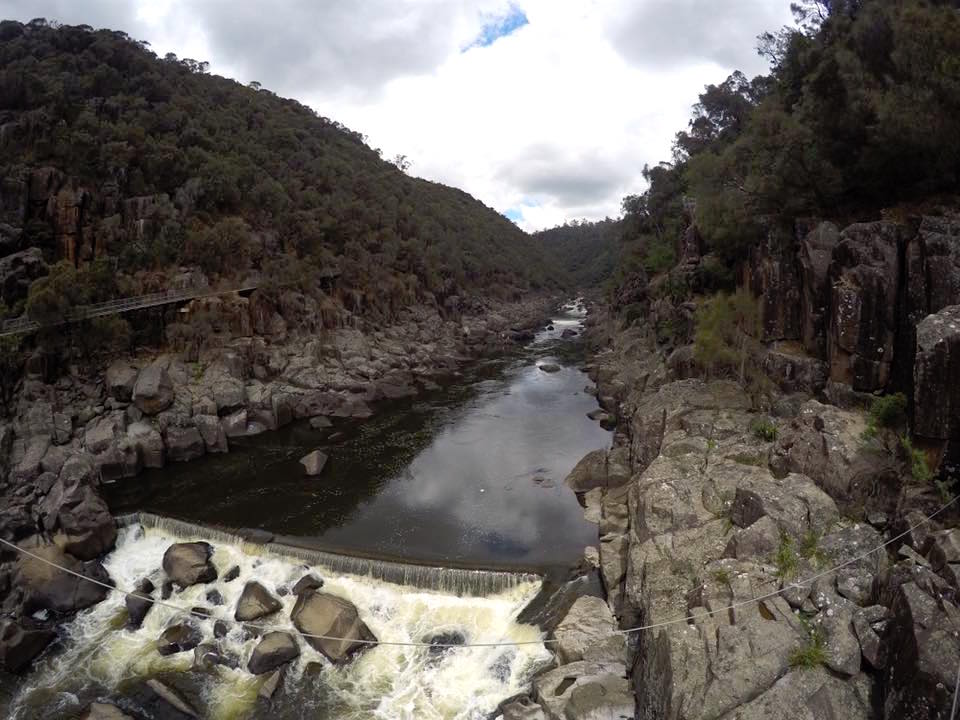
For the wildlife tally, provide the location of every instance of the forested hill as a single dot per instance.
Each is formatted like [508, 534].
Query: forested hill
[109, 151]
[586, 251]
[860, 113]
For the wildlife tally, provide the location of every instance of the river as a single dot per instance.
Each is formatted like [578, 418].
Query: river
[469, 476]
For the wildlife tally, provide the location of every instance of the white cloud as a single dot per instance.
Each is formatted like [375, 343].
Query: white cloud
[555, 120]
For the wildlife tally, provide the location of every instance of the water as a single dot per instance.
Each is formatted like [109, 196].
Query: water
[469, 475]
[101, 660]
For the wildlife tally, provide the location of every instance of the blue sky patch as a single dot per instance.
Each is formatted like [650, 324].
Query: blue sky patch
[499, 26]
[514, 214]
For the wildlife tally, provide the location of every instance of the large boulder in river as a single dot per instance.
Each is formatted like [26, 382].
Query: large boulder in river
[19, 645]
[314, 462]
[48, 588]
[255, 602]
[139, 604]
[589, 473]
[274, 650]
[319, 613]
[179, 638]
[189, 563]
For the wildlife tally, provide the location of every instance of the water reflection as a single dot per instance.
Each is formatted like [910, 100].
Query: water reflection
[468, 474]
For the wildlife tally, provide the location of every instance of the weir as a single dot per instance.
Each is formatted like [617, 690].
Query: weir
[449, 580]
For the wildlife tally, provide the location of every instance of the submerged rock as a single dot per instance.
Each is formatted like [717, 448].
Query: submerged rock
[549, 367]
[274, 650]
[172, 698]
[255, 602]
[323, 614]
[189, 563]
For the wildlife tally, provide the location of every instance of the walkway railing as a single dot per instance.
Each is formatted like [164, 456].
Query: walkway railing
[24, 324]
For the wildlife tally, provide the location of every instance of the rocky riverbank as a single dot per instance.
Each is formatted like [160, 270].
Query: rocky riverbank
[70, 434]
[703, 503]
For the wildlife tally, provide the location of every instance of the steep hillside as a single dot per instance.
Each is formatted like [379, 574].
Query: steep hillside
[586, 251]
[109, 152]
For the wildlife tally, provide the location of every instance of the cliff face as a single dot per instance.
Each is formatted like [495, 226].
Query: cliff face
[713, 513]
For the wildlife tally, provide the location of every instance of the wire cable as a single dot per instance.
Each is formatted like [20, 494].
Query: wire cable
[674, 621]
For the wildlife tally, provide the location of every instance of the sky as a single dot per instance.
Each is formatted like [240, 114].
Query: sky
[546, 110]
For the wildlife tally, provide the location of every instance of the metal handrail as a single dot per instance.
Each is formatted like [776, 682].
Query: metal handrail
[120, 305]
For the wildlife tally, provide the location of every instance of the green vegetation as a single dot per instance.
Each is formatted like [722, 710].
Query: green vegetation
[886, 413]
[179, 167]
[786, 559]
[860, 111]
[919, 467]
[811, 550]
[763, 429]
[812, 654]
[726, 341]
[723, 577]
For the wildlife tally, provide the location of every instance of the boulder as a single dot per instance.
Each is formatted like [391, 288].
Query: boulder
[184, 443]
[589, 632]
[47, 587]
[522, 709]
[18, 271]
[179, 638]
[212, 432]
[102, 433]
[842, 646]
[924, 653]
[139, 605]
[121, 378]
[153, 391]
[809, 694]
[235, 424]
[171, 697]
[317, 613]
[589, 473]
[274, 650]
[944, 548]
[104, 711]
[255, 602]
[825, 443]
[19, 646]
[585, 690]
[549, 367]
[148, 442]
[189, 563]
[81, 519]
[314, 462]
[307, 582]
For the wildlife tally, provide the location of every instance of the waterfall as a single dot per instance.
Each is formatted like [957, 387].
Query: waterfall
[453, 581]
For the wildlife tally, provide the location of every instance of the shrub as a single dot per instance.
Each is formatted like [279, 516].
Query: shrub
[886, 413]
[786, 559]
[764, 429]
[918, 461]
[811, 655]
[659, 256]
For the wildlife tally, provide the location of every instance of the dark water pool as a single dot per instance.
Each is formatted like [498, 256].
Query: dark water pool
[470, 474]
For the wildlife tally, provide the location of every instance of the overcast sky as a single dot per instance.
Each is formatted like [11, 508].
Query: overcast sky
[546, 110]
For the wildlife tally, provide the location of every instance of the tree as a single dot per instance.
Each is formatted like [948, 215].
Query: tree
[402, 162]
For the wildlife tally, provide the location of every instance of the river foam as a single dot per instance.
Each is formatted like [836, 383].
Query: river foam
[101, 659]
